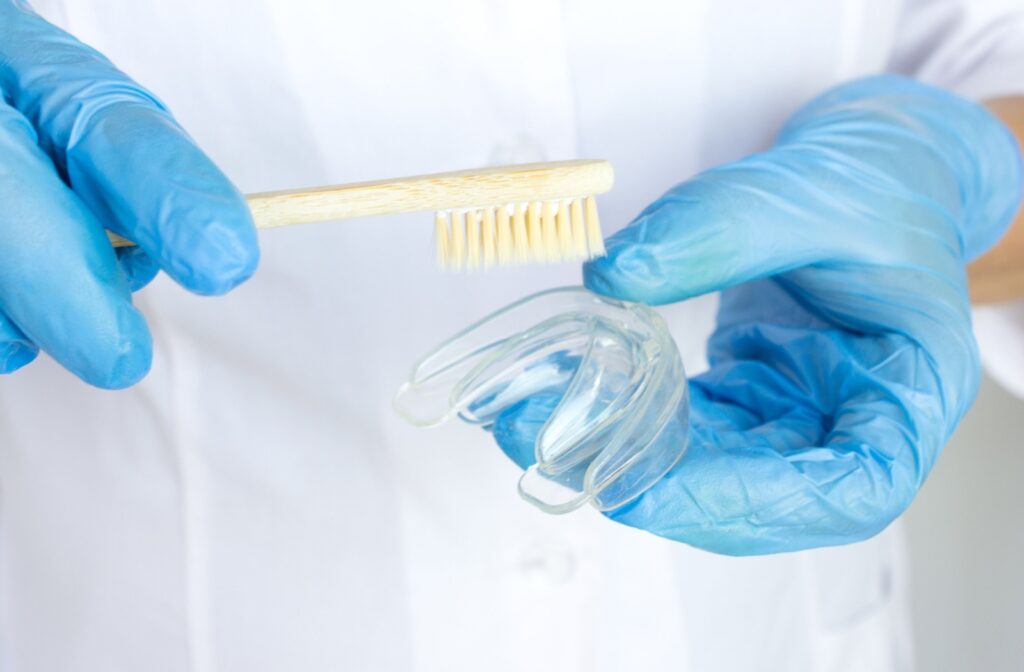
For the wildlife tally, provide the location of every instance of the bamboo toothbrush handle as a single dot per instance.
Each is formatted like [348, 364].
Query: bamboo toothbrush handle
[442, 191]
[464, 189]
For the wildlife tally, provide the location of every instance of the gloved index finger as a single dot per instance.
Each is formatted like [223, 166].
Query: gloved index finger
[125, 156]
[722, 228]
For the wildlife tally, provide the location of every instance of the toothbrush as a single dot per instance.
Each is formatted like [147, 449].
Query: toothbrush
[533, 212]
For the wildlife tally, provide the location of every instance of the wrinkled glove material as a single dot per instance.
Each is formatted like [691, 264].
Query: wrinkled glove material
[843, 356]
[83, 148]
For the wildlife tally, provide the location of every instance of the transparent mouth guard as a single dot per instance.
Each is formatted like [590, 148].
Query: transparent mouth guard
[622, 422]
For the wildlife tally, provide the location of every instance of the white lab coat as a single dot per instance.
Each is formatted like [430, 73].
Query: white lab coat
[255, 505]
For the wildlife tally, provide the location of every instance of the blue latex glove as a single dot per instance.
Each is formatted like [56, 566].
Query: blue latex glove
[843, 356]
[83, 148]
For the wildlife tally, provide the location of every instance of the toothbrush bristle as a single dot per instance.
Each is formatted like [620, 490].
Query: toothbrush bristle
[473, 238]
[547, 231]
[489, 231]
[595, 241]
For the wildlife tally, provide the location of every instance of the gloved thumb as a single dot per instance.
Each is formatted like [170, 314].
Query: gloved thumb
[722, 228]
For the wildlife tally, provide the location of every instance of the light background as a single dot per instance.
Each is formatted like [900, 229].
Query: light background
[966, 533]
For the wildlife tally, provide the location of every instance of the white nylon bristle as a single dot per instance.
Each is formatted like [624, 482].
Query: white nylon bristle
[564, 231]
[579, 229]
[457, 246]
[489, 233]
[473, 247]
[561, 230]
[441, 238]
[504, 241]
[534, 234]
[549, 230]
[520, 236]
[595, 241]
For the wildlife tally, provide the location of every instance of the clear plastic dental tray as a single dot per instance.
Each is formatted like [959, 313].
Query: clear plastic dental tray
[622, 421]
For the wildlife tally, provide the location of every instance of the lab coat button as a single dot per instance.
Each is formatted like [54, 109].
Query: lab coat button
[519, 148]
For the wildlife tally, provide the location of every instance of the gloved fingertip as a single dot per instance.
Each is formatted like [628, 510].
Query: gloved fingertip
[633, 267]
[226, 256]
[138, 267]
[127, 360]
[126, 369]
[517, 427]
[15, 355]
[627, 272]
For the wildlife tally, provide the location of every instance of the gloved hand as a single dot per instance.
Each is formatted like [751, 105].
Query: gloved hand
[843, 356]
[83, 148]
